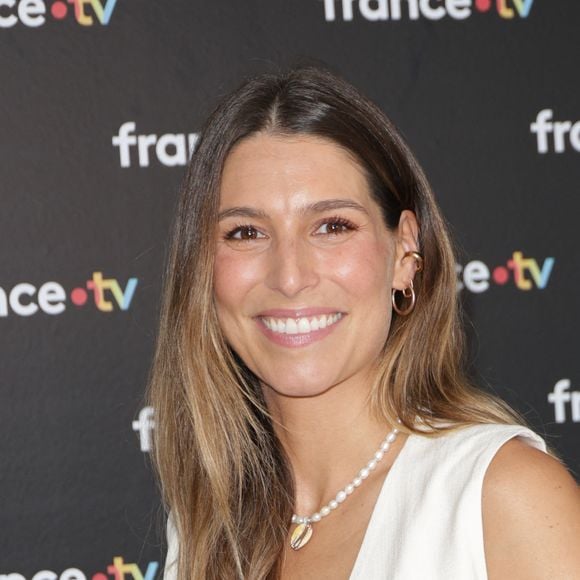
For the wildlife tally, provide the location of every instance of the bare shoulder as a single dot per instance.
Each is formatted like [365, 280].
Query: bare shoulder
[531, 516]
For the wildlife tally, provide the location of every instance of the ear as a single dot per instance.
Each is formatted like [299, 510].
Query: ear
[406, 239]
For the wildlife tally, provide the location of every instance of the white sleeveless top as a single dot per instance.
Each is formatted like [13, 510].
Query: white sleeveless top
[427, 521]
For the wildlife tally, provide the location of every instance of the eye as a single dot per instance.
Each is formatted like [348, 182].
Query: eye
[336, 225]
[242, 233]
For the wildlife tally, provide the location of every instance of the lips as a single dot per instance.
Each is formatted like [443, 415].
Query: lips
[283, 327]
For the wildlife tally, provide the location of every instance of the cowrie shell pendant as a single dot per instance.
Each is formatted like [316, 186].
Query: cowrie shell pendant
[301, 536]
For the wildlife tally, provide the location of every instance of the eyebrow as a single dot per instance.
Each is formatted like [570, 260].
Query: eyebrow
[317, 207]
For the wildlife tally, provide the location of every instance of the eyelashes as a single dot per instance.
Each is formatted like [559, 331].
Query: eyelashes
[240, 228]
[343, 224]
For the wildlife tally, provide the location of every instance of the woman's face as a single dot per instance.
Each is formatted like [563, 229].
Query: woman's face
[304, 263]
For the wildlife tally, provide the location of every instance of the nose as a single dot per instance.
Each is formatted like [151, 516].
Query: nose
[291, 267]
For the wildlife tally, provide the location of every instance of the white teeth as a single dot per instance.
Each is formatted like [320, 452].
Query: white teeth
[301, 325]
[291, 326]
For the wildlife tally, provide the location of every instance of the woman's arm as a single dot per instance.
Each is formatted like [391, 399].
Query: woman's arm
[531, 516]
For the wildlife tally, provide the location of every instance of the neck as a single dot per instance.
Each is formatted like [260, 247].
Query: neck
[328, 438]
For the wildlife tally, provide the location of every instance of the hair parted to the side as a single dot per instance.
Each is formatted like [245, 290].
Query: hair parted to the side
[222, 470]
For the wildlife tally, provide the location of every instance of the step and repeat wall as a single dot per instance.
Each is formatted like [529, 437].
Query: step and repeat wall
[101, 102]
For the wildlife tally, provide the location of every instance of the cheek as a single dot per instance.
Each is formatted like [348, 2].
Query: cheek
[363, 268]
[234, 275]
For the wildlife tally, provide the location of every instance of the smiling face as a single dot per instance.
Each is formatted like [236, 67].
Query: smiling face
[304, 264]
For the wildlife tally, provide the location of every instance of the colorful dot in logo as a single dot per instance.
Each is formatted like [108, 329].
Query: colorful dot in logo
[500, 275]
[100, 576]
[59, 10]
[78, 296]
[482, 5]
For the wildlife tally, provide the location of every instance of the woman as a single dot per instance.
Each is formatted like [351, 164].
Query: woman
[313, 416]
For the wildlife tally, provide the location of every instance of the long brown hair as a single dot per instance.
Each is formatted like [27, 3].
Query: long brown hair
[223, 472]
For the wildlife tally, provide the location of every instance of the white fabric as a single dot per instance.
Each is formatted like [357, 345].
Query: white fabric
[170, 572]
[427, 522]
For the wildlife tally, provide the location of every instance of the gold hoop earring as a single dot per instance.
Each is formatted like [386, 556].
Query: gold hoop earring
[407, 293]
[418, 258]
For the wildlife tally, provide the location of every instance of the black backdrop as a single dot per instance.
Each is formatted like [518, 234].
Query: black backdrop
[100, 101]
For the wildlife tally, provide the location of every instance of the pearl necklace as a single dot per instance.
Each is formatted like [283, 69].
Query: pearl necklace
[303, 531]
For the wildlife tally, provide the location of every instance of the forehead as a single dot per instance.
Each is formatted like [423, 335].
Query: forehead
[284, 172]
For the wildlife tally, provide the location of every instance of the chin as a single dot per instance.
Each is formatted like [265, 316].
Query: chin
[300, 390]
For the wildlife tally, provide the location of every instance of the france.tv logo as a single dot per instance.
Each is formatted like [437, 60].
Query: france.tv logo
[382, 10]
[107, 294]
[524, 273]
[34, 13]
[118, 570]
